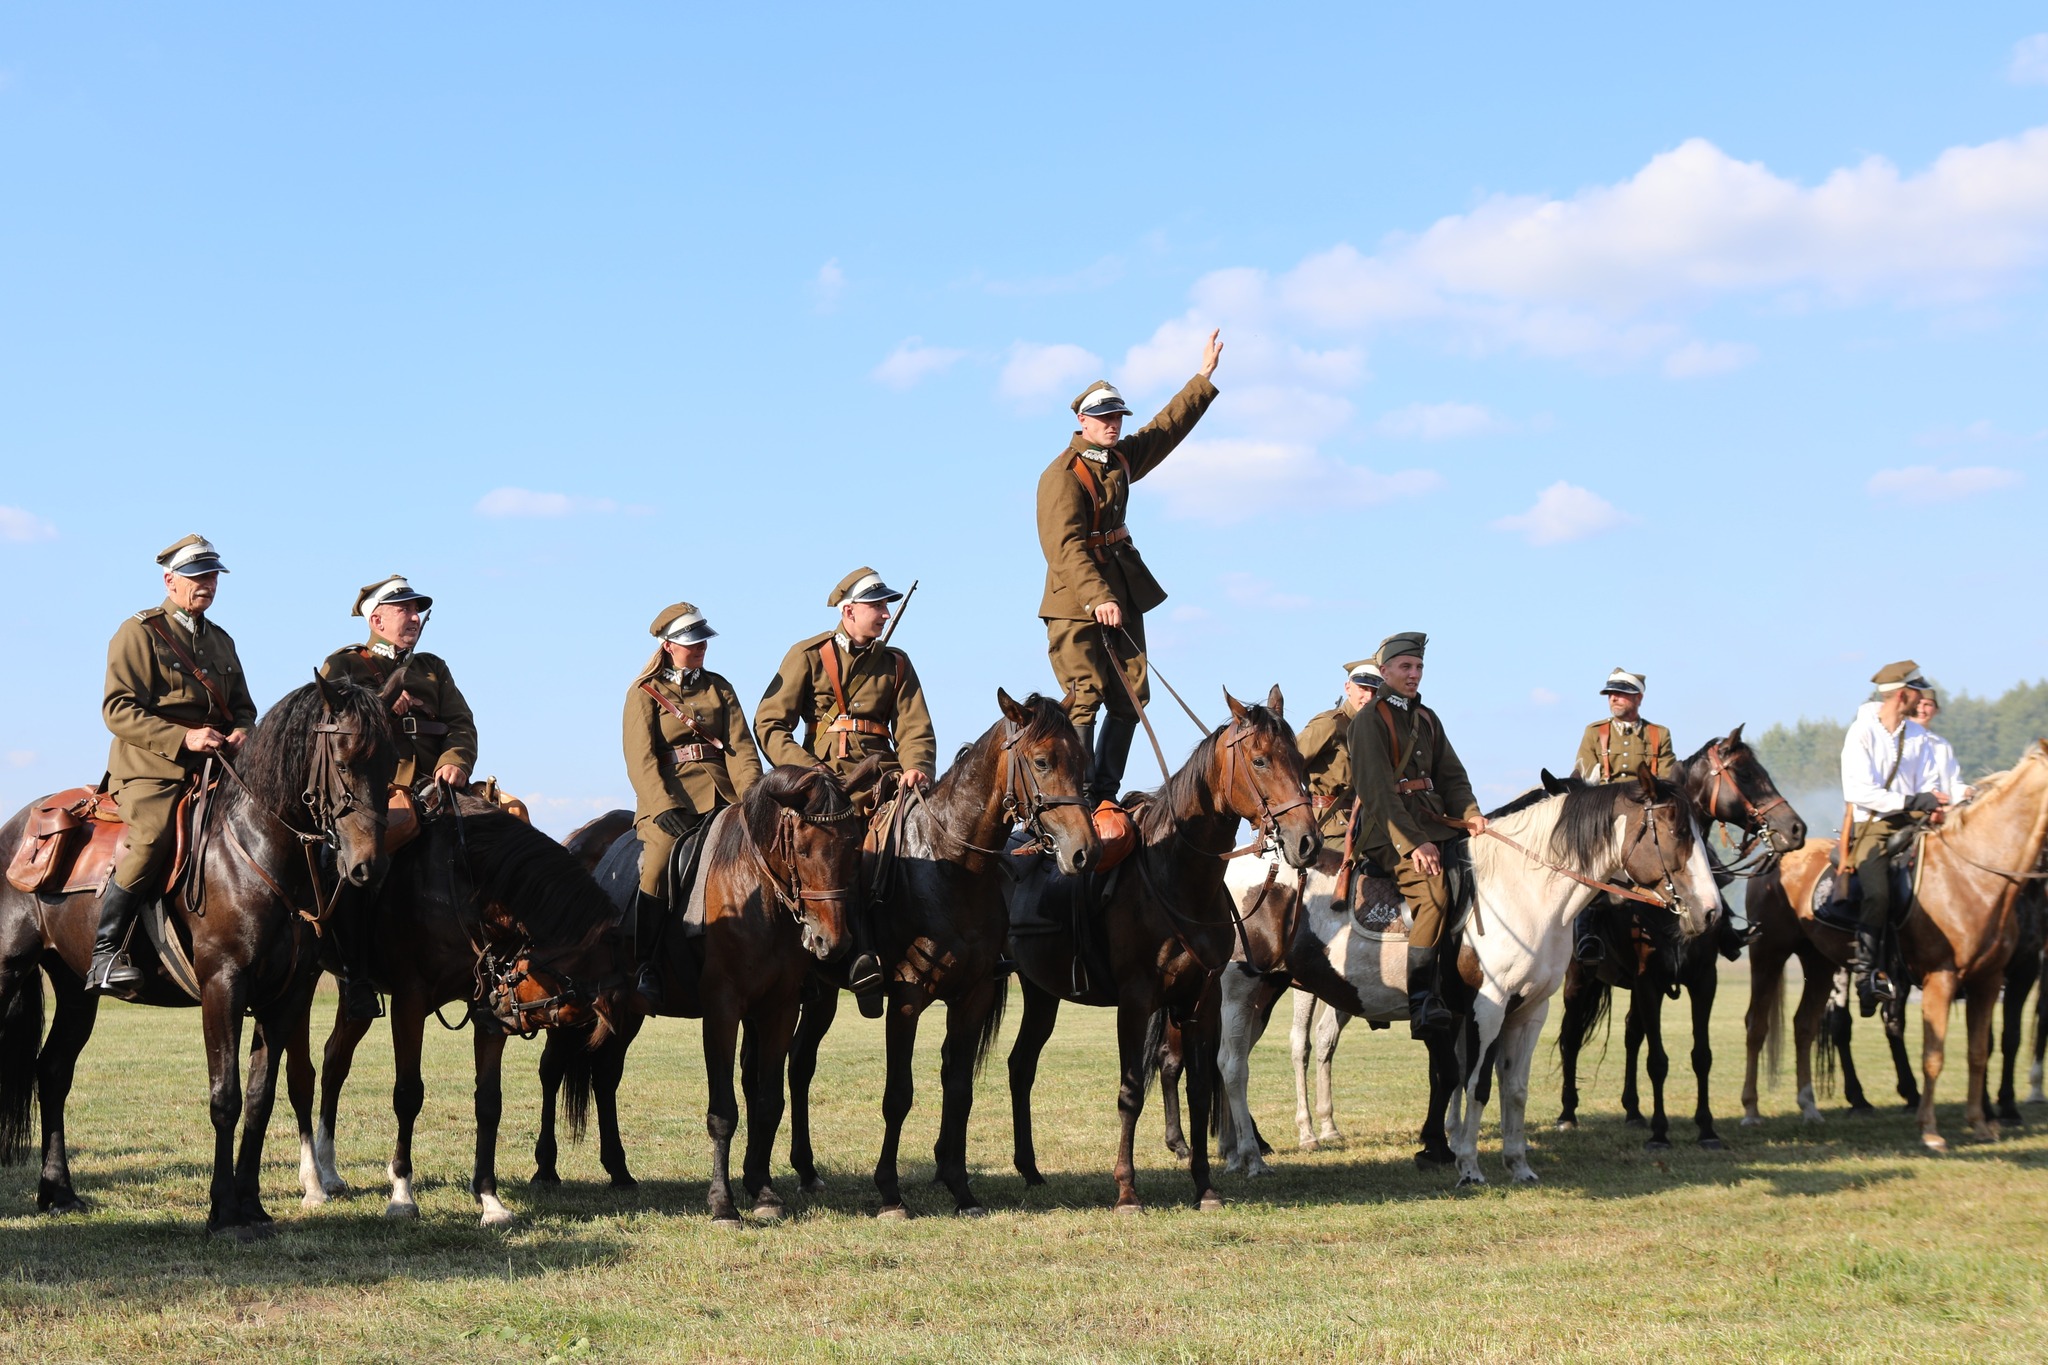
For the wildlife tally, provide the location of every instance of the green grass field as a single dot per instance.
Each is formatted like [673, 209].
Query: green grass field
[1840, 1241]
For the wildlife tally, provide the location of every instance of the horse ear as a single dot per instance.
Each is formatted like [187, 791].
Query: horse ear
[329, 693]
[1237, 708]
[1011, 708]
[1735, 736]
[865, 776]
[1647, 775]
[1553, 784]
[1276, 703]
[1067, 702]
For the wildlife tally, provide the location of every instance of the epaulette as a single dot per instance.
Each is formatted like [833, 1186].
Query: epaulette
[148, 612]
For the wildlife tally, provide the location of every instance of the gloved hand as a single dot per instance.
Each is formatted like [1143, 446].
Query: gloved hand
[1919, 803]
[673, 823]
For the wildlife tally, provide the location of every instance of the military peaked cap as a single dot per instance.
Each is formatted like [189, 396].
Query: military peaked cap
[681, 624]
[1407, 642]
[862, 585]
[1624, 683]
[1364, 672]
[1099, 399]
[1904, 673]
[191, 557]
[387, 592]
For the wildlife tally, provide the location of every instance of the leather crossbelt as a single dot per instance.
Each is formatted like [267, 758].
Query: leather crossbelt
[413, 725]
[1320, 802]
[693, 753]
[1414, 784]
[844, 724]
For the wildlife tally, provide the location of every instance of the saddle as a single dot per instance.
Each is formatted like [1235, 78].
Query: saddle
[1045, 903]
[1838, 896]
[74, 838]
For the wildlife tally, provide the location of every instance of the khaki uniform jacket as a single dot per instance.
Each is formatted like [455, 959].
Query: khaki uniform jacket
[151, 700]
[437, 701]
[1076, 581]
[802, 695]
[1391, 820]
[653, 732]
[1325, 744]
[1625, 752]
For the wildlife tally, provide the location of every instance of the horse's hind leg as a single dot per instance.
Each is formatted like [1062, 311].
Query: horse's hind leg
[1632, 1044]
[820, 1008]
[1443, 1083]
[221, 1021]
[899, 1089]
[1813, 998]
[1172, 1065]
[967, 1021]
[70, 1027]
[1198, 1060]
[1243, 1021]
[1517, 1050]
[1648, 997]
[266, 1047]
[771, 1029]
[1583, 996]
[1133, 1030]
[607, 1069]
[1902, 1063]
[302, 1092]
[1328, 1030]
[337, 1058]
[2035, 1093]
[1041, 1012]
[2020, 976]
[1937, 993]
[408, 1093]
[554, 1066]
[1298, 1036]
[489, 1048]
[1982, 1000]
[1700, 992]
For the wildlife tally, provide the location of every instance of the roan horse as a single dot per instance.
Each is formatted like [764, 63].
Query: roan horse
[1959, 934]
[940, 925]
[313, 773]
[1168, 925]
[779, 877]
[1726, 784]
[484, 910]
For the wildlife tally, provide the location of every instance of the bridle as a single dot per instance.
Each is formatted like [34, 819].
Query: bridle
[788, 886]
[1754, 826]
[1024, 802]
[1668, 900]
[327, 812]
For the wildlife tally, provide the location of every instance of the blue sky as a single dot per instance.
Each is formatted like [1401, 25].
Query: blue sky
[1707, 345]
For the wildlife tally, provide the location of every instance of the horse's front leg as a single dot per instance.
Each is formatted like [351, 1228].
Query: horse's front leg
[1133, 1026]
[220, 1010]
[970, 1024]
[1489, 1016]
[1329, 1028]
[607, 1069]
[1982, 1000]
[1041, 1012]
[820, 1008]
[2020, 976]
[1170, 1066]
[56, 1064]
[722, 1109]
[1517, 1049]
[489, 1049]
[1806, 1021]
[1649, 998]
[1299, 1033]
[1198, 1064]
[1242, 1023]
[1632, 1047]
[408, 1093]
[1583, 996]
[774, 1024]
[553, 1070]
[337, 1058]
[899, 1089]
[301, 1091]
[266, 1047]
[1700, 992]
[1937, 992]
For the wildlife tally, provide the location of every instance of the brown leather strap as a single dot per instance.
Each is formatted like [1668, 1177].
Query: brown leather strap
[1099, 540]
[1323, 801]
[1650, 733]
[665, 704]
[692, 753]
[842, 725]
[1415, 784]
[829, 656]
[219, 698]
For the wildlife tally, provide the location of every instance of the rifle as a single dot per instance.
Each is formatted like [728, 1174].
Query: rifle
[897, 619]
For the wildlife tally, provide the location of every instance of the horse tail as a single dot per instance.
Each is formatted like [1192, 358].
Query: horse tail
[1155, 1043]
[575, 1057]
[1576, 1026]
[1833, 1018]
[1767, 1008]
[985, 1041]
[21, 1036]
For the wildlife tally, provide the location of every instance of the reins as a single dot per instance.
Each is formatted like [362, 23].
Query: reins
[1627, 892]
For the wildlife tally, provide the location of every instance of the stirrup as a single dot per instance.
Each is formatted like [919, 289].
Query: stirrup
[361, 1002]
[1590, 949]
[114, 974]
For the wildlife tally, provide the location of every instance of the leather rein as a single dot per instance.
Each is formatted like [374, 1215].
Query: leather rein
[1754, 826]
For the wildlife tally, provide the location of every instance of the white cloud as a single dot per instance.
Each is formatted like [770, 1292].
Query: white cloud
[2029, 61]
[1925, 483]
[1543, 696]
[20, 758]
[1035, 372]
[828, 285]
[524, 502]
[1697, 358]
[1232, 480]
[1564, 512]
[913, 362]
[1438, 421]
[22, 527]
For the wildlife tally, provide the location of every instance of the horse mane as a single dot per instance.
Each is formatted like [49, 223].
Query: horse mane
[1046, 715]
[1158, 812]
[279, 754]
[544, 885]
[1585, 827]
[1989, 785]
[811, 791]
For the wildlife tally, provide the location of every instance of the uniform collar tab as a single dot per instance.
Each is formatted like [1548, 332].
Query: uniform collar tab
[384, 649]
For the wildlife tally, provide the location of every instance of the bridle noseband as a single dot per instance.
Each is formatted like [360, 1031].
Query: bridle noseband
[1755, 826]
[789, 886]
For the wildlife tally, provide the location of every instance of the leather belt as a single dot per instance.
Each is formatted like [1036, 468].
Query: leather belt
[1098, 540]
[1321, 802]
[854, 724]
[693, 753]
[413, 725]
[1414, 784]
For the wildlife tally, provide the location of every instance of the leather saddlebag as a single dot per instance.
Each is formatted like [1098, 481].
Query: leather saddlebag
[1118, 836]
[55, 829]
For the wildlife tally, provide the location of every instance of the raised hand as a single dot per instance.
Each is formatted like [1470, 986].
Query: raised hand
[1212, 353]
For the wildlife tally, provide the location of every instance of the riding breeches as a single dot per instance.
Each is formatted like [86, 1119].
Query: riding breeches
[657, 851]
[1429, 902]
[1082, 665]
[148, 805]
[1873, 866]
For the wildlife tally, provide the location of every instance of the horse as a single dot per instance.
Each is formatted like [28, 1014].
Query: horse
[1958, 934]
[313, 774]
[484, 910]
[778, 878]
[1726, 784]
[1165, 926]
[940, 925]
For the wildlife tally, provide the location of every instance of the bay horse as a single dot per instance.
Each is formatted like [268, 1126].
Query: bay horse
[485, 911]
[1166, 923]
[1727, 785]
[1959, 934]
[941, 923]
[778, 879]
[313, 775]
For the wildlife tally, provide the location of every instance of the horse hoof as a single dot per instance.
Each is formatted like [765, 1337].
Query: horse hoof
[499, 1217]
[1432, 1161]
[972, 1211]
[1181, 1150]
[1635, 1121]
[63, 1204]
[1567, 1125]
[1470, 1181]
[239, 1233]
[895, 1213]
[1752, 1120]
[1032, 1177]
[1258, 1172]
[769, 1213]
[812, 1184]
[1309, 1144]
[1209, 1202]
[625, 1182]
[398, 1210]
[1657, 1145]
[1133, 1207]
[336, 1187]
[1524, 1177]
[1935, 1143]
[1813, 1116]
[1712, 1144]
[1333, 1138]
[546, 1180]
[1859, 1110]
[727, 1220]
[312, 1199]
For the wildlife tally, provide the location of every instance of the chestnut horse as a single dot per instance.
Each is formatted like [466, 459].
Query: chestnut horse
[940, 923]
[313, 775]
[1168, 924]
[1958, 935]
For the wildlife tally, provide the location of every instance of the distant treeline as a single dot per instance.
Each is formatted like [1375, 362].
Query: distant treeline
[1988, 735]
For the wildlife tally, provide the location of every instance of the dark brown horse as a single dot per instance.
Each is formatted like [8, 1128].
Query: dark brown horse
[312, 777]
[1151, 938]
[484, 911]
[779, 877]
[941, 924]
[1726, 784]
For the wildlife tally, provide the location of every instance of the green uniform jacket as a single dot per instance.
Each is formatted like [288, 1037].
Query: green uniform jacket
[1401, 821]
[438, 701]
[151, 700]
[802, 695]
[1325, 744]
[653, 733]
[1076, 582]
[1625, 753]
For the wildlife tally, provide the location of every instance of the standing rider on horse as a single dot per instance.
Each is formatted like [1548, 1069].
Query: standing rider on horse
[689, 754]
[1097, 588]
[1611, 751]
[175, 694]
[1325, 744]
[1889, 775]
[436, 734]
[1415, 807]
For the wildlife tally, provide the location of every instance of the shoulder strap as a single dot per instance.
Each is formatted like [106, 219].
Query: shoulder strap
[1606, 756]
[665, 704]
[828, 654]
[1898, 756]
[902, 668]
[155, 625]
[1394, 739]
[1094, 487]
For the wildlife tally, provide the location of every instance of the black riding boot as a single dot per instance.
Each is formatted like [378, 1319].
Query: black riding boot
[1112, 751]
[1086, 731]
[647, 986]
[1588, 944]
[111, 972]
[1873, 985]
[352, 942]
[1428, 1016]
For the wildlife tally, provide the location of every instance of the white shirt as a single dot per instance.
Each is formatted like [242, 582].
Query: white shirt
[1868, 753]
[1948, 774]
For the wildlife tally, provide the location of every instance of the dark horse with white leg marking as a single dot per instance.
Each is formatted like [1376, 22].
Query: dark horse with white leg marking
[1166, 922]
[486, 911]
[940, 923]
[780, 874]
[312, 777]
[1725, 783]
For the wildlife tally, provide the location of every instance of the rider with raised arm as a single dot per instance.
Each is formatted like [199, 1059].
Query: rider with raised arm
[1414, 801]
[1889, 775]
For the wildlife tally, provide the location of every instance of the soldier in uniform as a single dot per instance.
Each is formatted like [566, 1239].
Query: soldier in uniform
[1890, 774]
[175, 693]
[1610, 751]
[1325, 744]
[1414, 799]
[436, 735]
[1097, 588]
[688, 753]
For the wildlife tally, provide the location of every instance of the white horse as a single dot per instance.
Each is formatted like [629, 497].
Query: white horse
[1516, 946]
